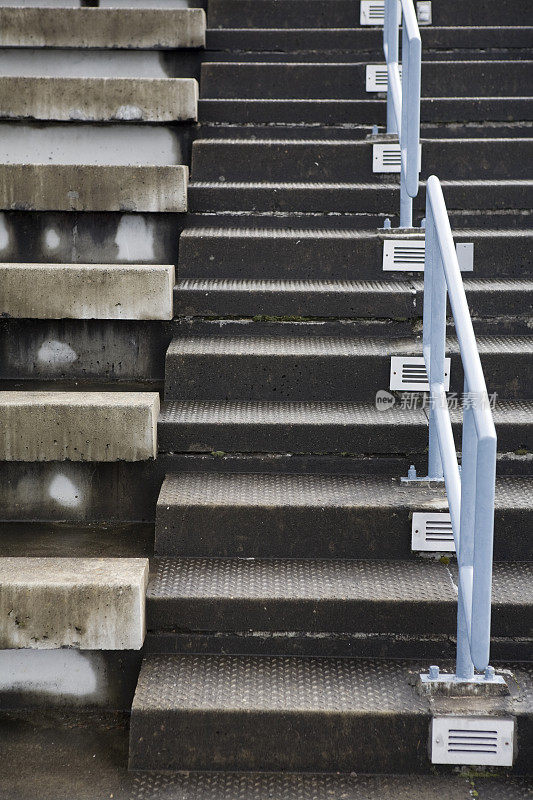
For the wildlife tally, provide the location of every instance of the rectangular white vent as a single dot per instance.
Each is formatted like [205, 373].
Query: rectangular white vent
[372, 12]
[387, 157]
[423, 12]
[407, 255]
[376, 77]
[473, 740]
[432, 533]
[408, 374]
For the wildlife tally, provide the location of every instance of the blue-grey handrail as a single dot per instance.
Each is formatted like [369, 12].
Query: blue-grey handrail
[403, 97]
[471, 490]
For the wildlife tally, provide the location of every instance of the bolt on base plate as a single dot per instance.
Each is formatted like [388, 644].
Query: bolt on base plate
[445, 683]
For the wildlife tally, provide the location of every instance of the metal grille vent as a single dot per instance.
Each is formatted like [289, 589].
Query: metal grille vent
[386, 158]
[372, 12]
[408, 255]
[432, 533]
[376, 77]
[472, 740]
[408, 373]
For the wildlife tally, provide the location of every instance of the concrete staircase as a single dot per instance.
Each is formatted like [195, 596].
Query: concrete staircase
[284, 598]
[280, 633]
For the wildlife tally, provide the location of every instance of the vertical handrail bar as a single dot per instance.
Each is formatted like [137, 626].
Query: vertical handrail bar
[470, 498]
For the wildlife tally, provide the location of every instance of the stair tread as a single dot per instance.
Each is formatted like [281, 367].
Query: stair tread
[241, 683]
[277, 285]
[340, 580]
[211, 489]
[332, 346]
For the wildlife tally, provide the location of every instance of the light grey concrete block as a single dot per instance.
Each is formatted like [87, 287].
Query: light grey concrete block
[87, 603]
[78, 426]
[86, 291]
[131, 28]
[66, 187]
[99, 99]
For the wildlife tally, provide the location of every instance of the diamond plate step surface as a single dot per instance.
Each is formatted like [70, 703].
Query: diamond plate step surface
[239, 368]
[296, 253]
[316, 516]
[268, 713]
[320, 427]
[401, 597]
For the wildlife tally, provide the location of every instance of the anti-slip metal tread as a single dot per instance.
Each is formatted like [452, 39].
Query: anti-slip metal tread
[302, 786]
[269, 684]
[297, 286]
[319, 491]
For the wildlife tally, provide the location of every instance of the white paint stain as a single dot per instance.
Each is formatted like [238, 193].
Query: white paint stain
[54, 352]
[4, 233]
[135, 239]
[64, 491]
[129, 113]
[51, 239]
[53, 672]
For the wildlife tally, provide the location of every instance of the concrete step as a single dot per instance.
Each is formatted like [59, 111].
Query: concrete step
[345, 13]
[78, 426]
[285, 160]
[349, 39]
[352, 198]
[281, 515]
[338, 299]
[345, 81]
[238, 368]
[296, 254]
[258, 427]
[86, 291]
[107, 28]
[249, 713]
[66, 187]
[99, 99]
[363, 111]
[328, 595]
[87, 603]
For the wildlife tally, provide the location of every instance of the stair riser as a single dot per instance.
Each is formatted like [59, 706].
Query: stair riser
[341, 162]
[251, 377]
[278, 741]
[291, 257]
[332, 112]
[262, 532]
[345, 13]
[348, 81]
[376, 199]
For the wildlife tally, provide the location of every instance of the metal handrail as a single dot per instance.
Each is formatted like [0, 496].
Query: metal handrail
[403, 97]
[470, 491]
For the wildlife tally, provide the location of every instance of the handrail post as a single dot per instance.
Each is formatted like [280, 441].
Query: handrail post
[434, 341]
[391, 49]
[465, 557]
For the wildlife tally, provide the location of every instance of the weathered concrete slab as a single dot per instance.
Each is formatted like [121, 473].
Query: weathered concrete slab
[86, 291]
[67, 187]
[99, 99]
[88, 603]
[148, 28]
[78, 426]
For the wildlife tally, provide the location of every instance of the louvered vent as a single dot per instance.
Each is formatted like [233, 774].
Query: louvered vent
[408, 374]
[432, 533]
[407, 255]
[372, 12]
[386, 158]
[472, 740]
[376, 77]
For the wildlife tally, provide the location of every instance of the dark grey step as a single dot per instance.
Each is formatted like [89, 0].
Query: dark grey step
[364, 39]
[323, 368]
[328, 595]
[338, 299]
[307, 81]
[349, 111]
[302, 786]
[289, 254]
[345, 13]
[352, 198]
[276, 515]
[331, 161]
[248, 713]
[321, 428]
